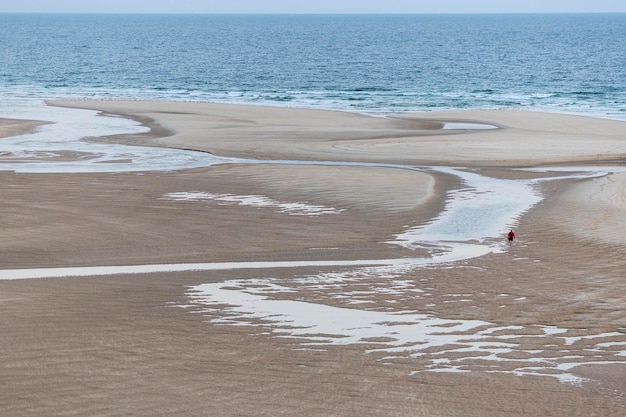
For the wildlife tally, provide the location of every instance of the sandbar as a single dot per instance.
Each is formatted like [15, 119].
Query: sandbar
[13, 127]
[523, 138]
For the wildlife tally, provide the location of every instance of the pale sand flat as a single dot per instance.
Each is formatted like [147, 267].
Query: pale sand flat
[596, 209]
[524, 138]
[122, 345]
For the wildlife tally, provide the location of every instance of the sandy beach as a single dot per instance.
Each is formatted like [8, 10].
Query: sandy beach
[141, 345]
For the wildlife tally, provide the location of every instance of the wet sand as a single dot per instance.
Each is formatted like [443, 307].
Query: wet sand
[11, 127]
[124, 344]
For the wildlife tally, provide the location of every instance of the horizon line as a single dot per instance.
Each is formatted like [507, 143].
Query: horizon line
[311, 13]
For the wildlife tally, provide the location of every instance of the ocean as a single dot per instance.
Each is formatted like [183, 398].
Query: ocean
[379, 64]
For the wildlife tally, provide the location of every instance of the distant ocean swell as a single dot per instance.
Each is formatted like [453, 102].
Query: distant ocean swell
[363, 63]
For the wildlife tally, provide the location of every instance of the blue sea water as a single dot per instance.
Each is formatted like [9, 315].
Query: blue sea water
[365, 63]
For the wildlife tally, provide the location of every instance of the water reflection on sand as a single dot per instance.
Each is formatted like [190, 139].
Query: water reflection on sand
[474, 218]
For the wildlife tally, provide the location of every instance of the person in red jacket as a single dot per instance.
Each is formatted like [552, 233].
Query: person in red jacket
[511, 236]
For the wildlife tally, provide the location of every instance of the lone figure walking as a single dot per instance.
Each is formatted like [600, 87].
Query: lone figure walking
[511, 236]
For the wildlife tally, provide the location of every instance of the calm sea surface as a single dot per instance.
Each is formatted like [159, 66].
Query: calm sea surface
[365, 63]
